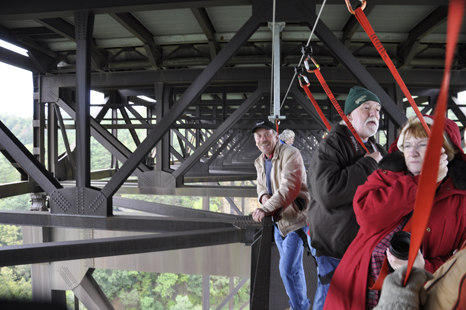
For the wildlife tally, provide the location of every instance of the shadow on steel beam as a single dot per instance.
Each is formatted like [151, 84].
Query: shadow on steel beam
[26, 305]
[260, 271]
[267, 290]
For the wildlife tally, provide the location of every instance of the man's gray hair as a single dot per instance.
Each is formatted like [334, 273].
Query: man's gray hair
[287, 134]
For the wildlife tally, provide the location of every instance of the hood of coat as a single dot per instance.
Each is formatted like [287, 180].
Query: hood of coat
[395, 161]
[451, 129]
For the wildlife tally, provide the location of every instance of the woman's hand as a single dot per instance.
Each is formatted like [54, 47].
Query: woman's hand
[442, 168]
[397, 263]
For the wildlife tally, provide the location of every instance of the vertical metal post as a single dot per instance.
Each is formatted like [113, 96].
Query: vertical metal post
[232, 287]
[52, 139]
[38, 123]
[84, 24]
[260, 272]
[115, 134]
[205, 292]
[276, 29]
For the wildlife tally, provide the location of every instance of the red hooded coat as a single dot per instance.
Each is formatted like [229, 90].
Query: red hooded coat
[380, 206]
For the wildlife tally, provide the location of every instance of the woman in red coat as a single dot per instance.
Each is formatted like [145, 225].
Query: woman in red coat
[385, 202]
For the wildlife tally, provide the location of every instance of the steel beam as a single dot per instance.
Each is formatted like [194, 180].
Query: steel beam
[28, 162]
[260, 274]
[134, 26]
[190, 95]
[235, 117]
[300, 98]
[418, 77]
[359, 73]
[80, 249]
[17, 60]
[352, 25]
[84, 21]
[90, 294]
[112, 144]
[169, 210]
[15, 10]
[148, 223]
[14, 189]
[435, 19]
[232, 293]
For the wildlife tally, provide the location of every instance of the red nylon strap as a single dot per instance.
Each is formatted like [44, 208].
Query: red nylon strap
[338, 108]
[384, 270]
[316, 106]
[427, 182]
[361, 17]
[277, 122]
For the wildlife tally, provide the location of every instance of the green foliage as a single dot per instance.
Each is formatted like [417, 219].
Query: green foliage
[194, 288]
[128, 289]
[10, 235]
[12, 287]
[164, 285]
[154, 291]
[147, 303]
[19, 126]
[15, 282]
[183, 303]
[18, 203]
[130, 299]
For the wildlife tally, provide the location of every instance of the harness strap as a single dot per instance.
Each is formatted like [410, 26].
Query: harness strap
[337, 107]
[316, 106]
[327, 278]
[361, 17]
[303, 237]
[427, 182]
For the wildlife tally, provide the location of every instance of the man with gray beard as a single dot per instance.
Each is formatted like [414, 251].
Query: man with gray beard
[338, 167]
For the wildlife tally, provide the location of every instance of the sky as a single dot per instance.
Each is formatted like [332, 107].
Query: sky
[16, 88]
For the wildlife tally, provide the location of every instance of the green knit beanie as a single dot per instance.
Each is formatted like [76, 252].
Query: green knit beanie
[358, 95]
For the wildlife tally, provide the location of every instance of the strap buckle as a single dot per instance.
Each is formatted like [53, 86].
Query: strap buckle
[306, 64]
[350, 9]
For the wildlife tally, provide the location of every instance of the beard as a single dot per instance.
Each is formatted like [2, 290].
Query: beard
[371, 128]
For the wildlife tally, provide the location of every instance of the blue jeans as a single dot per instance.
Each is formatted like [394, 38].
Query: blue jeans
[291, 267]
[325, 265]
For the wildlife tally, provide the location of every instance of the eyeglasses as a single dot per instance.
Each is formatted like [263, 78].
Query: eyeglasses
[420, 147]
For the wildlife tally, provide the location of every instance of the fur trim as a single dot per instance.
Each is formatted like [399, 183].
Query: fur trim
[456, 168]
[394, 162]
[457, 172]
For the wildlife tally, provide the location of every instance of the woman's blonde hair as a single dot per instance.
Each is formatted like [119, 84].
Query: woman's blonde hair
[415, 129]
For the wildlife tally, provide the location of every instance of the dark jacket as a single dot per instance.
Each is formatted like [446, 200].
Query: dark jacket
[338, 167]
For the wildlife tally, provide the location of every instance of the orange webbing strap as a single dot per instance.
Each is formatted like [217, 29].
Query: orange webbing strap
[277, 123]
[337, 107]
[316, 106]
[384, 270]
[361, 17]
[427, 182]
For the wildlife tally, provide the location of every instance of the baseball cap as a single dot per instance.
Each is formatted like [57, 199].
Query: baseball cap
[263, 124]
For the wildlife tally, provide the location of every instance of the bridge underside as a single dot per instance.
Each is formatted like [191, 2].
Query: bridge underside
[186, 80]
